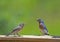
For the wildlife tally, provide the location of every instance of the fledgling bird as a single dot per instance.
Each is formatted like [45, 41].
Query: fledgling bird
[42, 27]
[16, 30]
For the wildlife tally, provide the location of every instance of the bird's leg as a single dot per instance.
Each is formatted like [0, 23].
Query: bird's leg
[14, 34]
[18, 34]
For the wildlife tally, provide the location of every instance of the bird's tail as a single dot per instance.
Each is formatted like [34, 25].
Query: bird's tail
[8, 34]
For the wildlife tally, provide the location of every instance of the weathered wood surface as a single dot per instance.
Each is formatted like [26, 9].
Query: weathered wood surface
[29, 39]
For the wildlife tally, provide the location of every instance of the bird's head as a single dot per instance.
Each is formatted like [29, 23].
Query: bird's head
[40, 20]
[21, 24]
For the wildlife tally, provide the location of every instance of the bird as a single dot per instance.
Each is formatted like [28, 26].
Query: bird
[42, 27]
[16, 30]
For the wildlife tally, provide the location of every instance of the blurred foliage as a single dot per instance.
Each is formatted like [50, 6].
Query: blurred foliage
[13, 12]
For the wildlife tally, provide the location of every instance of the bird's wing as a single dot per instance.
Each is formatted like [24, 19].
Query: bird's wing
[42, 26]
[17, 28]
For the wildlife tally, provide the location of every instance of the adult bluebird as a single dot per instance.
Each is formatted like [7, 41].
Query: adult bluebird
[42, 27]
[16, 30]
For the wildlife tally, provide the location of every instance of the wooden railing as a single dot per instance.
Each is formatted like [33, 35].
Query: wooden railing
[28, 38]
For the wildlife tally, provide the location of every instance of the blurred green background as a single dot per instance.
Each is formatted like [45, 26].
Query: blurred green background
[13, 12]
